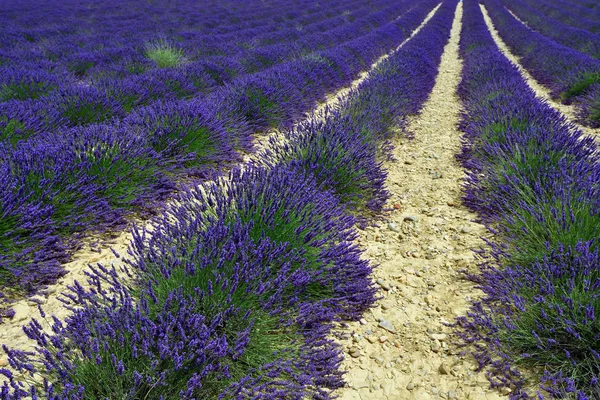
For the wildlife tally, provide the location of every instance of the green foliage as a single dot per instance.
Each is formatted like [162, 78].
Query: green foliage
[261, 107]
[24, 91]
[528, 332]
[535, 234]
[80, 68]
[163, 54]
[579, 87]
[285, 226]
[123, 179]
[13, 130]
[12, 242]
[82, 112]
[135, 68]
[183, 138]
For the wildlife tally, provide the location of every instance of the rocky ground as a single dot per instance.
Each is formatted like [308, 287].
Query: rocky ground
[402, 348]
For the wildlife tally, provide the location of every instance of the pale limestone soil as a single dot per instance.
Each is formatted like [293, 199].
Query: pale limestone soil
[402, 348]
[569, 111]
[11, 332]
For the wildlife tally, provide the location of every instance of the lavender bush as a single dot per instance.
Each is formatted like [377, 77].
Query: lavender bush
[567, 72]
[573, 37]
[533, 179]
[236, 291]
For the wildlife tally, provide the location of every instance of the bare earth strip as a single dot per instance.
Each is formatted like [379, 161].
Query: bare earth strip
[402, 348]
[568, 111]
[11, 333]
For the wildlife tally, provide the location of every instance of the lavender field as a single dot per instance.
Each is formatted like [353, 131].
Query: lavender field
[291, 199]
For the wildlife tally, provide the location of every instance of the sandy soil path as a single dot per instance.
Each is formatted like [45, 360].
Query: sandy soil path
[568, 111]
[402, 348]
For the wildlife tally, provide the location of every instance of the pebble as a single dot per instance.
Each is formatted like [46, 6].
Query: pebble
[383, 339]
[397, 206]
[385, 306]
[387, 325]
[444, 369]
[22, 312]
[411, 218]
[392, 226]
[372, 339]
[50, 290]
[439, 336]
[410, 386]
[362, 321]
[384, 285]
[436, 347]
[3, 362]
[466, 229]
[506, 391]
[354, 352]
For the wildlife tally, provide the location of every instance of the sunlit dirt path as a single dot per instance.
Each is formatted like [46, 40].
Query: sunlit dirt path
[402, 348]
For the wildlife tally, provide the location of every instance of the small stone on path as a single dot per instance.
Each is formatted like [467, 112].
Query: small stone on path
[392, 226]
[384, 285]
[22, 312]
[387, 325]
[354, 352]
[444, 369]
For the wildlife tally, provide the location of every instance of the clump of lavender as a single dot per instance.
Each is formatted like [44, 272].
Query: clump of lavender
[234, 294]
[164, 54]
[340, 158]
[590, 106]
[542, 314]
[184, 135]
[23, 84]
[83, 105]
[288, 206]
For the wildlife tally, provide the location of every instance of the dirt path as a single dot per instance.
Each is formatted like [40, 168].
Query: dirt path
[402, 349]
[11, 333]
[568, 111]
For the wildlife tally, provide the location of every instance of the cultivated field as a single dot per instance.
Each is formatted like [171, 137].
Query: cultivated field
[290, 199]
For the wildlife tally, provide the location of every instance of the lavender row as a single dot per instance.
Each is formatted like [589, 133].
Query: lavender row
[59, 185]
[533, 179]
[70, 22]
[234, 293]
[587, 4]
[563, 12]
[577, 8]
[113, 98]
[572, 76]
[24, 78]
[574, 38]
